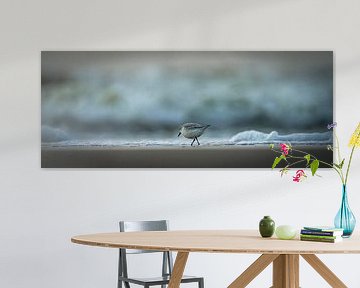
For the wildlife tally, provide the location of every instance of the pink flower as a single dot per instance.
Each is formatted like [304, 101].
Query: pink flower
[299, 175]
[284, 148]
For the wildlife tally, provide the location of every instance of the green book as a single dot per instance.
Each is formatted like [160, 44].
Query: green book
[325, 240]
[319, 236]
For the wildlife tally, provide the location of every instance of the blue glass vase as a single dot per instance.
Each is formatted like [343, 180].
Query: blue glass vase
[345, 219]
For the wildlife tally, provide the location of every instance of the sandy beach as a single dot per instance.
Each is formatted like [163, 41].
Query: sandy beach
[166, 157]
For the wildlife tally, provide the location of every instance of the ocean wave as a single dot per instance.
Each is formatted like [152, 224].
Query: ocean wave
[50, 134]
[257, 137]
[127, 97]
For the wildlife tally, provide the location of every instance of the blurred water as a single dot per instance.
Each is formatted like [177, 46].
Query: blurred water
[142, 98]
[243, 138]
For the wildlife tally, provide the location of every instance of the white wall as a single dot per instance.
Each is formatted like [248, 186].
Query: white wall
[41, 209]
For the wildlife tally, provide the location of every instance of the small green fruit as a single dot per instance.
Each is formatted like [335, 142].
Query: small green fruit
[285, 232]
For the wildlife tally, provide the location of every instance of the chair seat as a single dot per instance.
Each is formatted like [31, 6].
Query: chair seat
[158, 280]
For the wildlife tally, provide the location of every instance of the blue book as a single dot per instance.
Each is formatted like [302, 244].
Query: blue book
[322, 231]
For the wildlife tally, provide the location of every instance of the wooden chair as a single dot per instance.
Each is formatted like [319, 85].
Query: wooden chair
[167, 262]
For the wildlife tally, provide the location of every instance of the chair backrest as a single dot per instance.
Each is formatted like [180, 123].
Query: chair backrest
[133, 226]
[138, 226]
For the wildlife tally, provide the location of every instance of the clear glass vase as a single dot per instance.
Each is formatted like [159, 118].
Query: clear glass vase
[345, 219]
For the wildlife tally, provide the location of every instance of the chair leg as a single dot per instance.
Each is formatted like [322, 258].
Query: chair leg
[120, 270]
[164, 266]
[201, 283]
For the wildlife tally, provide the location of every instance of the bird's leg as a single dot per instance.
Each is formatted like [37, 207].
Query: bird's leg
[192, 142]
[197, 141]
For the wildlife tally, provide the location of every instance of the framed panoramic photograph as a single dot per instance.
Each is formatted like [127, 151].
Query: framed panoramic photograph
[183, 109]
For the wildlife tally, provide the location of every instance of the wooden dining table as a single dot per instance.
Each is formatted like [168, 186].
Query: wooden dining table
[283, 254]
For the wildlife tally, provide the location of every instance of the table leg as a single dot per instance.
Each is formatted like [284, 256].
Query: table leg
[324, 271]
[178, 269]
[286, 271]
[253, 270]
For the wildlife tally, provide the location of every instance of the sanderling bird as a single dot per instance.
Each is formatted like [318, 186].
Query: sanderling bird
[192, 131]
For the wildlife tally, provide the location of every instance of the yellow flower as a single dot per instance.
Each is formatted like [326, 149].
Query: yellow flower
[355, 138]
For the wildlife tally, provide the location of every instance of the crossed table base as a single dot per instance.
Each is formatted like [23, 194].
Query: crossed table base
[285, 271]
[283, 254]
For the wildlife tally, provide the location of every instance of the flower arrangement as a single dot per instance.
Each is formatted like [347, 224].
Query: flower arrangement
[294, 156]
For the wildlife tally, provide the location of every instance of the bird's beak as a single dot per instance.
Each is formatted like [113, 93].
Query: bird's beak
[179, 134]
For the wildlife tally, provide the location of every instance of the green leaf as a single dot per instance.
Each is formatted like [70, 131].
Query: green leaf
[284, 171]
[342, 163]
[307, 157]
[314, 166]
[339, 166]
[271, 146]
[277, 161]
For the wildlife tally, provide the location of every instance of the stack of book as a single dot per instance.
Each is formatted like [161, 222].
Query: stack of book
[321, 234]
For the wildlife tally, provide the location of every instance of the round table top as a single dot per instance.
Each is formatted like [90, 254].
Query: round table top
[217, 241]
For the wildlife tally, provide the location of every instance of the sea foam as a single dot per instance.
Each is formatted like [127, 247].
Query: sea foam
[257, 137]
